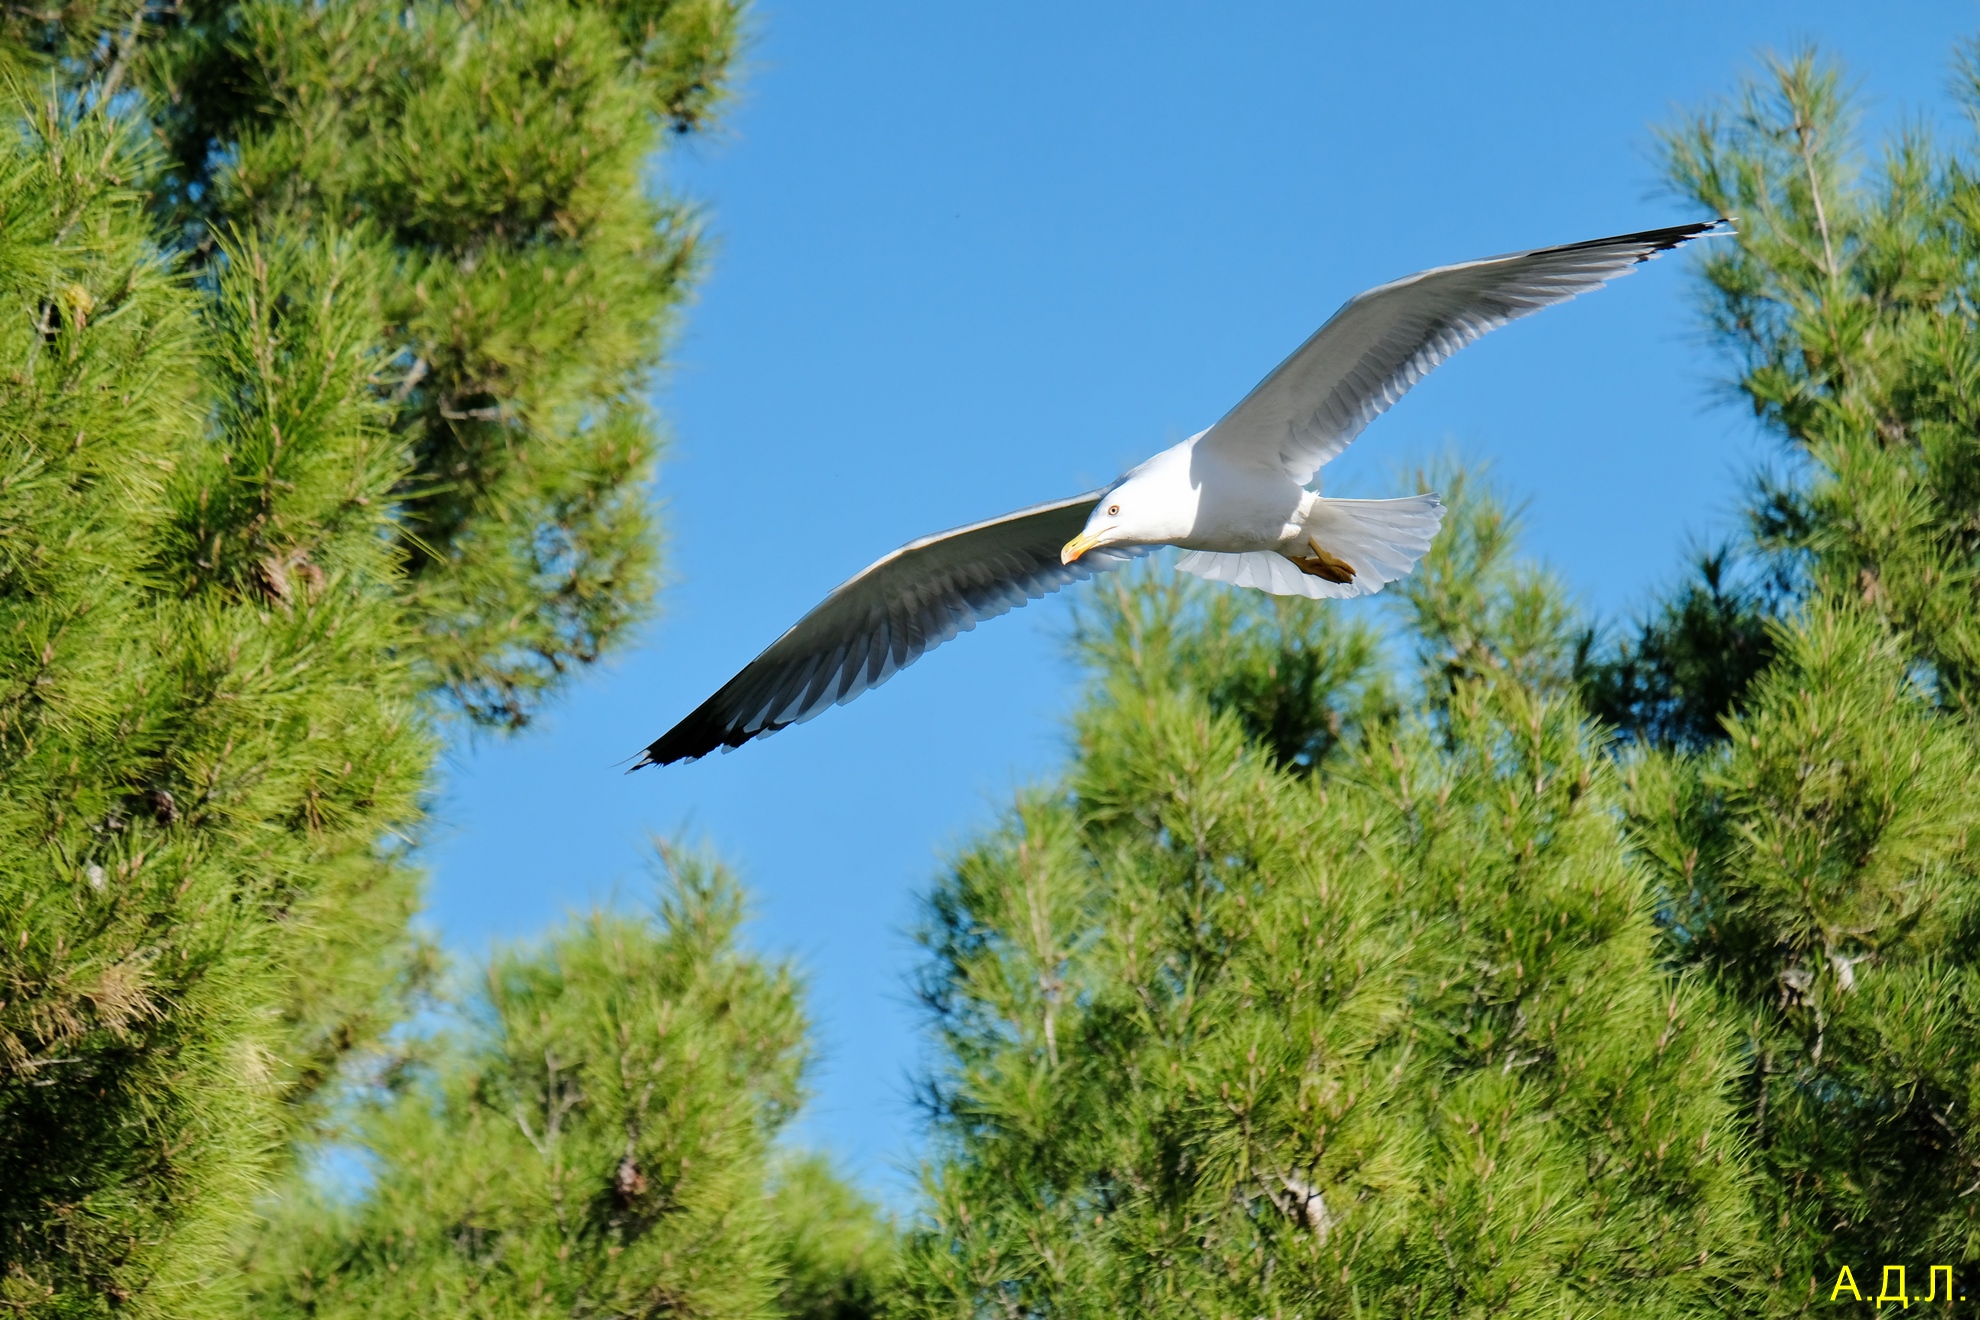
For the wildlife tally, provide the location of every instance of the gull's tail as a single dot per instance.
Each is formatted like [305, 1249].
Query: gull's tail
[1380, 540]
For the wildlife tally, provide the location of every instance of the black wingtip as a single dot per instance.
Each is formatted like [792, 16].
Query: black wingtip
[676, 744]
[693, 738]
[1655, 242]
[1676, 236]
[667, 749]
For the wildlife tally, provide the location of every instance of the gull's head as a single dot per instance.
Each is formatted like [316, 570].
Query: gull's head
[1141, 509]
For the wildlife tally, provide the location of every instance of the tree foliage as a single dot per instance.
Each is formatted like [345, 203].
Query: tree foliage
[326, 333]
[1813, 836]
[1228, 1032]
[490, 157]
[599, 1143]
[206, 733]
[1218, 1011]
[1691, 660]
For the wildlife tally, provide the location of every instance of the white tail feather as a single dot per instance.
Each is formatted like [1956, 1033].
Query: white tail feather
[1382, 539]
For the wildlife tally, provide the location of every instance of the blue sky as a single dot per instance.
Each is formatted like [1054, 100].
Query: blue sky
[970, 257]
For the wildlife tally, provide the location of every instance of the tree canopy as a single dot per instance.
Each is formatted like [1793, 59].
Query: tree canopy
[595, 1139]
[327, 340]
[1815, 841]
[1380, 1026]
[1555, 973]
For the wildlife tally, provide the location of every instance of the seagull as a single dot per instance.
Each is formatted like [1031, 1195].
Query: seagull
[1241, 498]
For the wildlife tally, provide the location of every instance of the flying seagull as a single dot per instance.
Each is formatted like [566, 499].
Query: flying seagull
[1241, 498]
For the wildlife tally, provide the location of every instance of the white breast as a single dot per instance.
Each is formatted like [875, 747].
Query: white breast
[1241, 506]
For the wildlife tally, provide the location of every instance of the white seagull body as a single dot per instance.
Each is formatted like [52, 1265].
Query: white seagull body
[1239, 498]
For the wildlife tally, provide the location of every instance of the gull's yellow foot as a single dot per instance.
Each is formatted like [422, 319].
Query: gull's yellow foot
[1320, 564]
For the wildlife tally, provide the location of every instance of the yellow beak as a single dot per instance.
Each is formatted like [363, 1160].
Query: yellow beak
[1076, 547]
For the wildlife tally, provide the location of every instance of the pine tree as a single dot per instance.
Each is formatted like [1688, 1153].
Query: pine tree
[1691, 661]
[329, 330]
[205, 731]
[1813, 834]
[1376, 1027]
[600, 1143]
[490, 156]
[1157, 1098]
[837, 1252]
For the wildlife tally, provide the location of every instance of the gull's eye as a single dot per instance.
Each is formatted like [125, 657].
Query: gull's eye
[1113, 510]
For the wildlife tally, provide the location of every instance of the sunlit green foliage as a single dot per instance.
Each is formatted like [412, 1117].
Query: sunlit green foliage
[1310, 990]
[598, 1144]
[326, 335]
[1845, 304]
[1229, 1032]
[491, 157]
[206, 735]
[837, 1252]
[1815, 845]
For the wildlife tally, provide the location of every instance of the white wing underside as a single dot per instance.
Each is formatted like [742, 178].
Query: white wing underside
[1382, 539]
[888, 616]
[1380, 343]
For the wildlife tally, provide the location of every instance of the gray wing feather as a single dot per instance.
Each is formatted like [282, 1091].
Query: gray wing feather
[889, 616]
[1382, 342]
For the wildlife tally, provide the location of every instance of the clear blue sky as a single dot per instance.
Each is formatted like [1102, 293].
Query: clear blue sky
[974, 256]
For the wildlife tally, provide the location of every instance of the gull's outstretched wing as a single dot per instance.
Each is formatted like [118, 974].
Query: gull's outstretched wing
[888, 617]
[1385, 340]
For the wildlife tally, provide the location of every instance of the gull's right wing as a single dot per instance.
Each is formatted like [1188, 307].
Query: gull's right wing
[888, 617]
[1385, 340]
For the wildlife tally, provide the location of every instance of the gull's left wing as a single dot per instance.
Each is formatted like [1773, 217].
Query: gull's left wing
[1385, 340]
[888, 617]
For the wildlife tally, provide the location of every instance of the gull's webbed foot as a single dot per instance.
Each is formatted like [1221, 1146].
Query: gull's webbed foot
[1320, 564]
